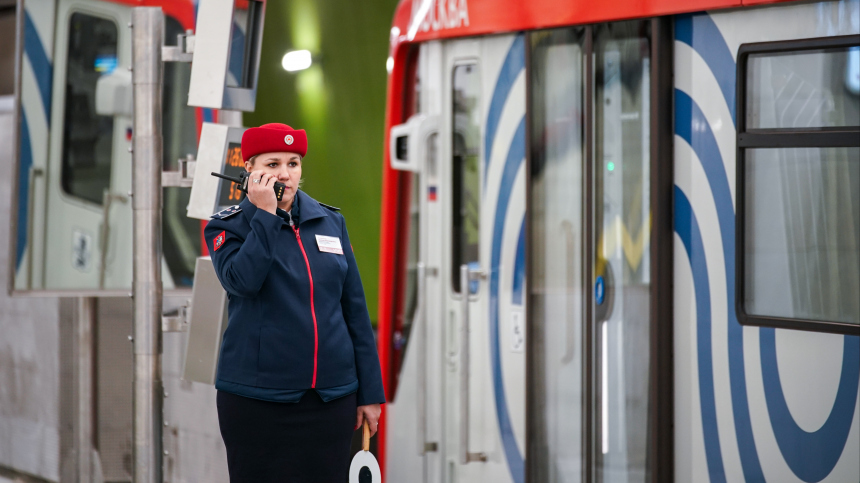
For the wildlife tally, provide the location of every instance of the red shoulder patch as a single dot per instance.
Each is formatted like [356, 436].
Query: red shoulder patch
[219, 240]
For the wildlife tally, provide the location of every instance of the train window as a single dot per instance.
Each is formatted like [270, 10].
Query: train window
[411, 211]
[798, 185]
[801, 89]
[87, 136]
[466, 184]
[181, 240]
[803, 227]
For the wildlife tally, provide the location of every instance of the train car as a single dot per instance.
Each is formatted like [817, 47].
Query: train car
[72, 227]
[621, 242]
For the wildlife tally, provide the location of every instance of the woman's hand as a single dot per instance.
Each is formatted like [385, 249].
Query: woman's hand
[370, 412]
[262, 193]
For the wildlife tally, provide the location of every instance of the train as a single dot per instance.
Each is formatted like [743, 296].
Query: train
[620, 242]
[72, 225]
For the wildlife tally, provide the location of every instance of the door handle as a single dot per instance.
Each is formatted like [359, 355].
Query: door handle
[31, 210]
[420, 398]
[570, 336]
[107, 200]
[424, 446]
[466, 277]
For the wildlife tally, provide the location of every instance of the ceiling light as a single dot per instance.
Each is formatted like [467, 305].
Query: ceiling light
[296, 60]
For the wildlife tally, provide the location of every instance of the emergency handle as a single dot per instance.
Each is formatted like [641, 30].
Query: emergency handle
[466, 277]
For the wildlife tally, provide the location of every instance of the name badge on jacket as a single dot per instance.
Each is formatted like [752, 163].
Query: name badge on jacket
[329, 244]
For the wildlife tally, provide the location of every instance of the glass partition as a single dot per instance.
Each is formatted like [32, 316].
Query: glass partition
[622, 222]
[555, 242]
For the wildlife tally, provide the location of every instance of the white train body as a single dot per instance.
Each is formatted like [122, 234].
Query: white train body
[750, 403]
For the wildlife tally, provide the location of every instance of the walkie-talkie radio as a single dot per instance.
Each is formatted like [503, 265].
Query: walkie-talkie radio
[242, 183]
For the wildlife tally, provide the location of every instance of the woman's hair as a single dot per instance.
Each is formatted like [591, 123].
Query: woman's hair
[253, 159]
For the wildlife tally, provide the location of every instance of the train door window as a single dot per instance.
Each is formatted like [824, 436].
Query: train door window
[7, 50]
[465, 167]
[555, 239]
[622, 222]
[181, 234]
[405, 302]
[798, 185]
[87, 136]
[408, 257]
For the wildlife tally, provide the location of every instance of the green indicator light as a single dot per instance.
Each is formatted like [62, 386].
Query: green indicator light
[610, 166]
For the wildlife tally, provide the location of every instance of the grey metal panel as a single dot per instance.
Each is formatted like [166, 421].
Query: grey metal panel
[192, 437]
[115, 365]
[29, 352]
[207, 323]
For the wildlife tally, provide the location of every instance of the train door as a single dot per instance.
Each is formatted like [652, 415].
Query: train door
[89, 167]
[482, 206]
[459, 235]
[621, 284]
[594, 301]
[556, 233]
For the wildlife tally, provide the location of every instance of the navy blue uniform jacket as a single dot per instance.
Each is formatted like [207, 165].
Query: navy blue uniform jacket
[297, 315]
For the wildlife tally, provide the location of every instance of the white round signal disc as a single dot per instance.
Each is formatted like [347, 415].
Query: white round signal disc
[364, 468]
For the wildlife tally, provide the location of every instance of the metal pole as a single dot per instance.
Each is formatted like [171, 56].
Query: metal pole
[84, 368]
[147, 39]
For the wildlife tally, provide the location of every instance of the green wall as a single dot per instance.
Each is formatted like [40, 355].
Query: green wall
[340, 101]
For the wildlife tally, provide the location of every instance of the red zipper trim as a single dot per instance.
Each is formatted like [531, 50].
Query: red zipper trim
[313, 311]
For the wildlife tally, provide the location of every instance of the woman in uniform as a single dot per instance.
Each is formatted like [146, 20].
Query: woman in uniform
[298, 370]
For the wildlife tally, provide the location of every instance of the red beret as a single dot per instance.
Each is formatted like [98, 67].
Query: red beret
[273, 138]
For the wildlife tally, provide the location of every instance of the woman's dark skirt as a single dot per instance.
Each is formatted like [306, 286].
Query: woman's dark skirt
[303, 442]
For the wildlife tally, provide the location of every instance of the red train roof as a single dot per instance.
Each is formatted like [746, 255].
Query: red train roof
[181, 10]
[419, 20]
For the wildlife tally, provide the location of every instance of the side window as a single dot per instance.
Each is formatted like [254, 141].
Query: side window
[406, 256]
[466, 184]
[798, 185]
[87, 137]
